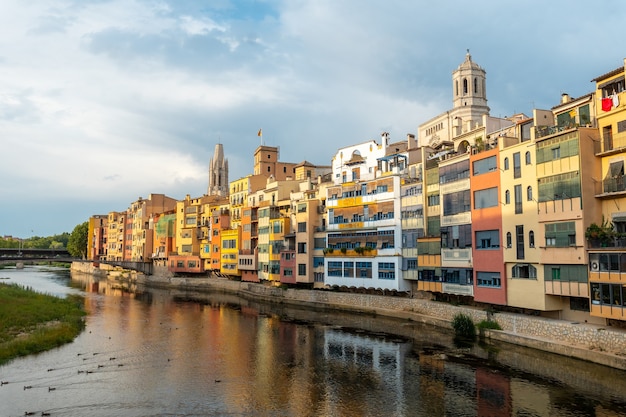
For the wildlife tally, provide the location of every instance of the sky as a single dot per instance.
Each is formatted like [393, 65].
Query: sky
[106, 101]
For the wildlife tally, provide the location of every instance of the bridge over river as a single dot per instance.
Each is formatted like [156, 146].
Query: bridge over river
[11, 255]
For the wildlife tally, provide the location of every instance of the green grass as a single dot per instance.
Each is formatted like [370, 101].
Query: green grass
[32, 322]
[489, 324]
[463, 326]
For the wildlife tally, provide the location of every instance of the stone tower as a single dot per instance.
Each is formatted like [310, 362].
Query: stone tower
[218, 172]
[469, 89]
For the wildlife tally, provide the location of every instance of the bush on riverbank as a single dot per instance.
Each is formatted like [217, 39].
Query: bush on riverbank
[463, 326]
[31, 322]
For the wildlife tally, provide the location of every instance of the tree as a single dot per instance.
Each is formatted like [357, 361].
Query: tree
[77, 243]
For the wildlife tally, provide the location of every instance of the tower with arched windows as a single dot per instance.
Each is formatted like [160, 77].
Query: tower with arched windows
[469, 87]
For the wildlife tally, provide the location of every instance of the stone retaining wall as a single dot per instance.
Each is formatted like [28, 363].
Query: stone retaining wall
[604, 345]
[598, 344]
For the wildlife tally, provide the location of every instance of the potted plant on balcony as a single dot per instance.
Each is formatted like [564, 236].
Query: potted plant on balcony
[600, 235]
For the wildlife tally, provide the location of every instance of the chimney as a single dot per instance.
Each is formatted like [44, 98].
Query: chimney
[565, 98]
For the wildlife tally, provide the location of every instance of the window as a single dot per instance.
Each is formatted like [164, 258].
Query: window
[301, 247]
[560, 186]
[506, 164]
[561, 234]
[517, 165]
[528, 161]
[301, 269]
[302, 227]
[454, 203]
[364, 269]
[319, 243]
[454, 172]
[334, 269]
[529, 193]
[318, 261]
[488, 239]
[411, 264]
[519, 241]
[485, 165]
[524, 271]
[486, 198]
[458, 236]
[348, 269]
[517, 191]
[433, 200]
[531, 239]
[556, 152]
[507, 197]
[488, 279]
[386, 270]
[608, 294]
[508, 239]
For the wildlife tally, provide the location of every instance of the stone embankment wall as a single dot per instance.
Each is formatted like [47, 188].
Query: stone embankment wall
[604, 345]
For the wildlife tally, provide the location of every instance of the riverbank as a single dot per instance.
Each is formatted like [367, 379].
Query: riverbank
[598, 344]
[33, 322]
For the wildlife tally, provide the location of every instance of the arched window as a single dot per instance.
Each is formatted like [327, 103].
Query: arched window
[527, 158]
[508, 240]
[456, 86]
[531, 239]
[506, 164]
[507, 197]
[475, 85]
[464, 86]
[529, 193]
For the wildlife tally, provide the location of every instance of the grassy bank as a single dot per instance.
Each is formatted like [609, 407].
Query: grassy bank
[31, 322]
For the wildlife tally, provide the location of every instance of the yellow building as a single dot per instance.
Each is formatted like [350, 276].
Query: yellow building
[307, 224]
[607, 241]
[274, 222]
[116, 223]
[97, 237]
[230, 243]
[518, 195]
[566, 168]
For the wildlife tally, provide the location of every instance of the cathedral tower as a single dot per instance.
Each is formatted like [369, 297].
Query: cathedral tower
[469, 87]
[218, 172]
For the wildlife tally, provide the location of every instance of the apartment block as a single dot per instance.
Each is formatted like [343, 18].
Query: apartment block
[607, 236]
[116, 235]
[97, 237]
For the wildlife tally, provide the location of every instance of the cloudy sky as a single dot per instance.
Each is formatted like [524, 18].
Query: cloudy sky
[102, 102]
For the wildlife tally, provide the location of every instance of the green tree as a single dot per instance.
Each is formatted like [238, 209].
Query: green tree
[77, 243]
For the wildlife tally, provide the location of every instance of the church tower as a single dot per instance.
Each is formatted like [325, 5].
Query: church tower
[218, 172]
[469, 89]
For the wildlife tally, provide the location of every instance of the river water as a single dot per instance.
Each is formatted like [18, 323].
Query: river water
[155, 352]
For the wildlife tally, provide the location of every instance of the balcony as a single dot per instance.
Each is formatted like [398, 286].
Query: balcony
[542, 131]
[612, 143]
[614, 184]
[617, 242]
[357, 252]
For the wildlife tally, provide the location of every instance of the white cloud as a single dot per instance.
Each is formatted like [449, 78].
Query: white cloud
[110, 100]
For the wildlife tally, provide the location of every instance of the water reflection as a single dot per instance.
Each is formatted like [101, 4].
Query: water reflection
[169, 352]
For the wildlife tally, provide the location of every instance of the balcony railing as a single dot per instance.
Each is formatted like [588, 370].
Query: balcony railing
[614, 184]
[613, 141]
[541, 131]
[613, 242]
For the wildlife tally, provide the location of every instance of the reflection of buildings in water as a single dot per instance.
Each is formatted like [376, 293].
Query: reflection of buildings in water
[115, 287]
[362, 365]
[493, 393]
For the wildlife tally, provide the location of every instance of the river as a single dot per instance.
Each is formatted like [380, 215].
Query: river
[155, 352]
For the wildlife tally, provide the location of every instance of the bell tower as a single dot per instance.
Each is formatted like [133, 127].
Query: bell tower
[469, 87]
